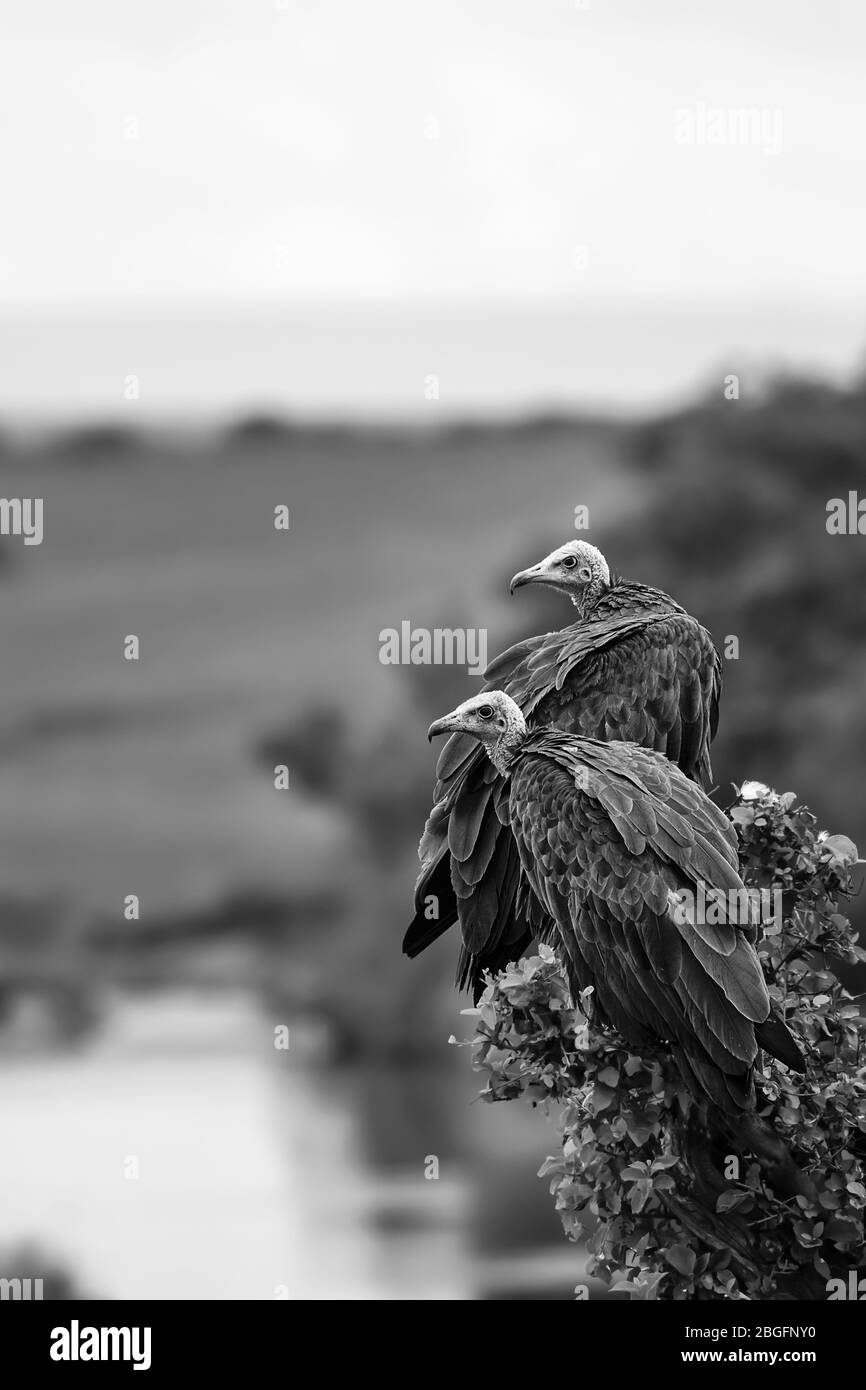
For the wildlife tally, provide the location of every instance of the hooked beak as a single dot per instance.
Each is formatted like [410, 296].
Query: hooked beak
[534, 575]
[446, 725]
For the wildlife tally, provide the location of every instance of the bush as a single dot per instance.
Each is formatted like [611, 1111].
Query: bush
[625, 1182]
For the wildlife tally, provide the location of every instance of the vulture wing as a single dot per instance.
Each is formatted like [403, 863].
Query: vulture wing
[609, 837]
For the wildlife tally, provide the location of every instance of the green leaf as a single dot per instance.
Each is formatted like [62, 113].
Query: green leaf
[842, 850]
[599, 1098]
[639, 1128]
[729, 1201]
[634, 1172]
[682, 1258]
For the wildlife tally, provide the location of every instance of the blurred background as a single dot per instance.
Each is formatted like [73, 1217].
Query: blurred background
[431, 278]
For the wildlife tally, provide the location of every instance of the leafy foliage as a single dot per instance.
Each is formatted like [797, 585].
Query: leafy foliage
[624, 1180]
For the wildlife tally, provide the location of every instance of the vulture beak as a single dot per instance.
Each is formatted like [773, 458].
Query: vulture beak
[533, 575]
[446, 725]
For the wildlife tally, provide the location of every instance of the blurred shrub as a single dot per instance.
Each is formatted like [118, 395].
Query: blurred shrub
[731, 520]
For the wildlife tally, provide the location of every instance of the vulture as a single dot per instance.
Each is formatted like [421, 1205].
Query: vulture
[623, 852]
[635, 667]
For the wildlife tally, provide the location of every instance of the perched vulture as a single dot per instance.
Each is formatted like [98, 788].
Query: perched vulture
[623, 852]
[635, 667]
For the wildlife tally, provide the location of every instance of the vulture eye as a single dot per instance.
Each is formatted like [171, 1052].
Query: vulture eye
[486, 711]
[569, 562]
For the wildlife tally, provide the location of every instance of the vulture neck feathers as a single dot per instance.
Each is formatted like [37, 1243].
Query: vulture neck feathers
[506, 747]
[503, 752]
[586, 598]
[584, 601]
[622, 595]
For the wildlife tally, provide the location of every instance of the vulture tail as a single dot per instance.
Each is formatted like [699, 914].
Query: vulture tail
[422, 931]
[733, 1124]
[773, 1155]
[773, 1036]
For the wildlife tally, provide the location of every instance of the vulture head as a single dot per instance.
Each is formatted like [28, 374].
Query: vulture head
[493, 718]
[577, 569]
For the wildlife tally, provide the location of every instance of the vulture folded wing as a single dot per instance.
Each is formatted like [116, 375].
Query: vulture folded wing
[608, 860]
[652, 679]
[505, 667]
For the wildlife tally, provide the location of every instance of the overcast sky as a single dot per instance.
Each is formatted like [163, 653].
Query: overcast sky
[176, 159]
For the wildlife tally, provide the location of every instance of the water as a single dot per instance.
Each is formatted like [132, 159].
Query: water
[179, 1155]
